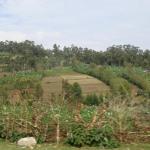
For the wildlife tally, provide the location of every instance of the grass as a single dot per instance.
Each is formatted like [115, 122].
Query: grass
[59, 71]
[12, 146]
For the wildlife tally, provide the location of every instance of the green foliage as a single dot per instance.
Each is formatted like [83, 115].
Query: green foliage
[92, 100]
[38, 120]
[72, 91]
[15, 136]
[87, 113]
[101, 137]
[138, 80]
[117, 84]
[3, 92]
[120, 86]
[79, 136]
[76, 90]
[27, 55]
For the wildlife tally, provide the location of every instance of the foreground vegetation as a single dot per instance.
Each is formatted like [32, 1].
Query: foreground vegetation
[106, 121]
[110, 119]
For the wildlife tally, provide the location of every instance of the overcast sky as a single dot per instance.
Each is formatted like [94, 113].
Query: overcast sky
[94, 24]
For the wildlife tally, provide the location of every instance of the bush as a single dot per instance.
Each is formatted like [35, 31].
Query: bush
[79, 136]
[101, 137]
[76, 90]
[88, 113]
[91, 100]
[72, 91]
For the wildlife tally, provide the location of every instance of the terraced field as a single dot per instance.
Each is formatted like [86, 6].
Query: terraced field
[88, 84]
[52, 86]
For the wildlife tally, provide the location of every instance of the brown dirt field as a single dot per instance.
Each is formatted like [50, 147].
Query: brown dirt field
[52, 87]
[88, 84]
[134, 90]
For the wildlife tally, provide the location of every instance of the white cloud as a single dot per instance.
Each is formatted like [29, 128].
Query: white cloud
[12, 35]
[40, 37]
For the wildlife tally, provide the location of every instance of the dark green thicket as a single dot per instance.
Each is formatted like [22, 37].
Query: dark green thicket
[72, 92]
[91, 100]
[80, 136]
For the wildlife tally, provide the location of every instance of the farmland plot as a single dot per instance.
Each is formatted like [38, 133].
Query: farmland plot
[52, 87]
[88, 84]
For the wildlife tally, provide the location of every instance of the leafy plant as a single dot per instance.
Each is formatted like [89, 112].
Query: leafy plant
[92, 100]
[79, 136]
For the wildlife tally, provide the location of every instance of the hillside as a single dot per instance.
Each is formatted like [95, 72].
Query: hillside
[72, 96]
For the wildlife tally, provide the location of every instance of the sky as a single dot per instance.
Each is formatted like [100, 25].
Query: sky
[96, 24]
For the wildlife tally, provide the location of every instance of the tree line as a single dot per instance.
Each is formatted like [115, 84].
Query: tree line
[29, 56]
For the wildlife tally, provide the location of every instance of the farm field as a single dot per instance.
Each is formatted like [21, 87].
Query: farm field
[89, 85]
[52, 86]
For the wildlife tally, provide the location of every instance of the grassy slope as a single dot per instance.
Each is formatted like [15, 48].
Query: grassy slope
[8, 146]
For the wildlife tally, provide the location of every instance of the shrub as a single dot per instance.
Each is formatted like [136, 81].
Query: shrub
[72, 91]
[79, 136]
[91, 100]
[101, 137]
[88, 113]
[76, 90]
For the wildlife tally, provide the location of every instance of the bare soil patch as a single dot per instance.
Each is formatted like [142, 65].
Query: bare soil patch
[52, 87]
[88, 84]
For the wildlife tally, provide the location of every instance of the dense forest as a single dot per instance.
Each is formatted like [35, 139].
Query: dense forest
[27, 55]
